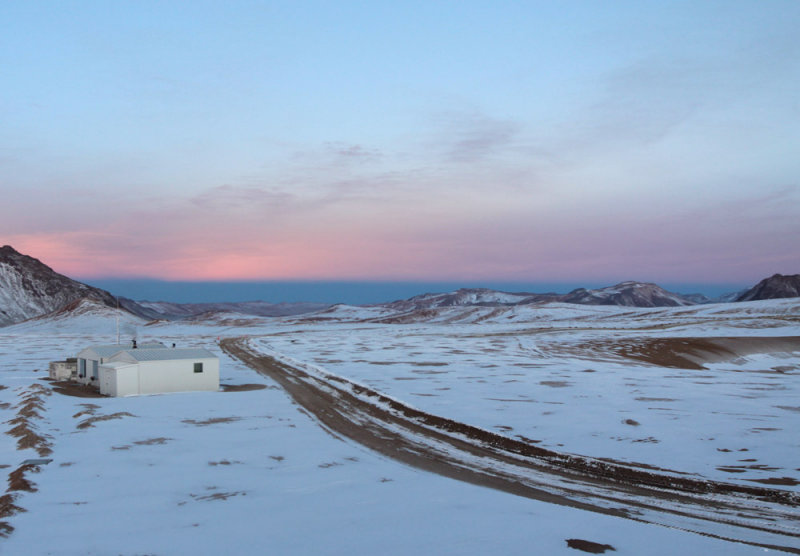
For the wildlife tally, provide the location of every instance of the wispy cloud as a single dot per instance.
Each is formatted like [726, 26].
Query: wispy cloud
[472, 136]
[353, 153]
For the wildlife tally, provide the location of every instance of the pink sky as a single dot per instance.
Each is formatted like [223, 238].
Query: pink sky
[445, 238]
[385, 141]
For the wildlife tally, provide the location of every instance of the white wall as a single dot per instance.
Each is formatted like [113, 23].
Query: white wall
[119, 380]
[155, 377]
[178, 376]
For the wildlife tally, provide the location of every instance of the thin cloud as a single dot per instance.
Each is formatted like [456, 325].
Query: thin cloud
[353, 153]
[473, 137]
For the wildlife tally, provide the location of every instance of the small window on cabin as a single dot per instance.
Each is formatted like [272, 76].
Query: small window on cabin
[198, 367]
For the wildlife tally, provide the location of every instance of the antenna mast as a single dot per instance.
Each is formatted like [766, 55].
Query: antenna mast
[117, 320]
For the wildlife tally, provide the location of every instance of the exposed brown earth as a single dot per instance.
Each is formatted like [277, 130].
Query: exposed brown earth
[152, 441]
[687, 353]
[211, 421]
[69, 388]
[706, 350]
[24, 429]
[86, 423]
[754, 515]
[241, 387]
[17, 480]
[7, 509]
[589, 546]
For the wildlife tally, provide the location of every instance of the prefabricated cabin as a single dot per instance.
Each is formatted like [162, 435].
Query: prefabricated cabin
[90, 359]
[158, 370]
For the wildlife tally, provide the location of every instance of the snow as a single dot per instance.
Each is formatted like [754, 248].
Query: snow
[245, 472]
[689, 420]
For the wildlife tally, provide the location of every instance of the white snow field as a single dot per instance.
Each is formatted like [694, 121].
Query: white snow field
[250, 472]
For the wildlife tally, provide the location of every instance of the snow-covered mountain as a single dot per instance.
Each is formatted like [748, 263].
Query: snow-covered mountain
[173, 311]
[30, 288]
[628, 294]
[775, 287]
[469, 297]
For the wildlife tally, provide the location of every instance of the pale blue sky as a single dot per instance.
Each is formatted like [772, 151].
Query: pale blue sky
[527, 141]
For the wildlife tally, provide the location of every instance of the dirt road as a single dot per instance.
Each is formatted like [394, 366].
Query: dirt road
[753, 515]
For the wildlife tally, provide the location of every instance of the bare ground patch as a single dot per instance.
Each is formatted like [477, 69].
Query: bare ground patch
[678, 352]
[241, 387]
[90, 422]
[218, 495]
[8, 509]
[69, 388]
[153, 441]
[28, 412]
[589, 546]
[212, 421]
[17, 480]
[692, 353]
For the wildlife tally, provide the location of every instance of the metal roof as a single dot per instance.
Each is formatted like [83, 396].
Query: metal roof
[118, 364]
[161, 354]
[107, 350]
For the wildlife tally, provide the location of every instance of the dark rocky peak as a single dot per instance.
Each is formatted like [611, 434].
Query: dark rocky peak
[29, 288]
[776, 286]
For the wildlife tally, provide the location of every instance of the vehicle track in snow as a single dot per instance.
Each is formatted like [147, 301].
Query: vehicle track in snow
[757, 516]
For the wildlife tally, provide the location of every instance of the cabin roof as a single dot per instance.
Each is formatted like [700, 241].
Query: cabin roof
[107, 350]
[144, 354]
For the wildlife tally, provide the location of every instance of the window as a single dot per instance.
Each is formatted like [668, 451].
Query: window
[81, 368]
[198, 367]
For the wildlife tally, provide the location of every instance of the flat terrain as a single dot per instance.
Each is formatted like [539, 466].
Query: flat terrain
[591, 427]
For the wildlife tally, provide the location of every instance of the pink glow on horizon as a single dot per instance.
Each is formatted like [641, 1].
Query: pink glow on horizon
[513, 251]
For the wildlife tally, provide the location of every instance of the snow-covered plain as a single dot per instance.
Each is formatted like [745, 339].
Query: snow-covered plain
[248, 472]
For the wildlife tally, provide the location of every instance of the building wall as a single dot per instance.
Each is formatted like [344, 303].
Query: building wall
[178, 376]
[119, 381]
[83, 368]
[63, 370]
[156, 377]
[92, 362]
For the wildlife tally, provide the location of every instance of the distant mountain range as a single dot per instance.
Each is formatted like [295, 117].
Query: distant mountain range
[29, 288]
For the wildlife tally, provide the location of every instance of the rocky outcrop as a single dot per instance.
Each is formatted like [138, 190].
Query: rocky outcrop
[776, 286]
[30, 288]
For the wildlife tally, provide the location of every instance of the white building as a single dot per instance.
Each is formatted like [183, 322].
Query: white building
[90, 359]
[157, 370]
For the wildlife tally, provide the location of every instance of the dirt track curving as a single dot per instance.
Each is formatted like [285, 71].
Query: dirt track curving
[753, 515]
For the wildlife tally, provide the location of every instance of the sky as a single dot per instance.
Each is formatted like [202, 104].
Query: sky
[570, 141]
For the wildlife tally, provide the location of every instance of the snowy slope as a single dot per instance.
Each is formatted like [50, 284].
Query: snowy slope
[29, 288]
[246, 472]
[629, 294]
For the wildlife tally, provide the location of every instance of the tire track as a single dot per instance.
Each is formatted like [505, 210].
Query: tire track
[752, 515]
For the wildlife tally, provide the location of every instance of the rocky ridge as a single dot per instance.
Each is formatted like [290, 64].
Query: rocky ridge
[776, 286]
[30, 288]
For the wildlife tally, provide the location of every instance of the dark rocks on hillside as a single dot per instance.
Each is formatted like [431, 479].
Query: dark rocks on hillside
[776, 286]
[30, 288]
[628, 294]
